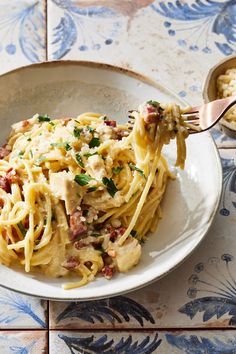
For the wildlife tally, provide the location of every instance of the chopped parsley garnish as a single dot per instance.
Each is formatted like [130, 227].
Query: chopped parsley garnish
[68, 147]
[117, 170]
[52, 124]
[101, 249]
[22, 228]
[94, 142]
[88, 154]
[95, 235]
[29, 139]
[90, 129]
[135, 168]
[92, 189]
[133, 233]
[31, 153]
[153, 103]
[82, 179]
[79, 160]
[44, 118]
[77, 132]
[58, 144]
[111, 188]
[21, 153]
[63, 145]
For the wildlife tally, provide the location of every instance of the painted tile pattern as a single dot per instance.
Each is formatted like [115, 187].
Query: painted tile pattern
[24, 342]
[197, 34]
[177, 342]
[200, 25]
[20, 311]
[201, 292]
[22, 33]
[121, 311]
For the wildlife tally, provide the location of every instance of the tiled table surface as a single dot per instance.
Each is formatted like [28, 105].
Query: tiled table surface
[193, 309]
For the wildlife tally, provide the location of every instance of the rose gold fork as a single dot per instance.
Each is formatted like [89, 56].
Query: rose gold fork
[203, 117]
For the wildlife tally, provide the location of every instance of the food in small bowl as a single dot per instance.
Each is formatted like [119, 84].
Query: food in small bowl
[221, 83]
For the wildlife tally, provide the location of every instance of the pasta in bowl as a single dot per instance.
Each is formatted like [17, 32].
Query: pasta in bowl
[80, 195]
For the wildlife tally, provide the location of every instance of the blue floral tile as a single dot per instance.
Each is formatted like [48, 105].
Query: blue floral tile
[81, 28]
[117, 33]
[20, 311]
[212, 292]
[118, 312]
[197, 342]
[148, 342]
[110, 342]
[203, 25]
[22, 33]
[24, 342]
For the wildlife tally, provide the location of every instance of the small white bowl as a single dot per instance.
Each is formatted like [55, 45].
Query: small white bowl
[210, 90]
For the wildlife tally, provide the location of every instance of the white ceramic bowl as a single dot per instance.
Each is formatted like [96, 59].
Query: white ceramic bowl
[210, 90]
[69, 88]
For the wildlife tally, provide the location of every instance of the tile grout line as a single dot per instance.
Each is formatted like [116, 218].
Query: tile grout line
[148, 329]
[48, 319]
[46, 30]
[131, 329]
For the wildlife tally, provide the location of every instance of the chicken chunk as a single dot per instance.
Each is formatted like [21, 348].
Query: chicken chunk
[127, 255]
[96, 167]
[64, 187]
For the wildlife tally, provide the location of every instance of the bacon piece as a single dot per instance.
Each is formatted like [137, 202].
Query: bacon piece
[113, 235]
[71, 263]
[80, 244]
[108, 271]
[110, 123]
[25, 123]
[12, 176]
[77, 226]
[65, 121]
[121, 230]
[151, 114]
[115, 232]
[121, 134]
[4, 151]
[4, 184]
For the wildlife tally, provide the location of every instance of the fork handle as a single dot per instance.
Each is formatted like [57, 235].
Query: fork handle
[212, 112]
[226, 103]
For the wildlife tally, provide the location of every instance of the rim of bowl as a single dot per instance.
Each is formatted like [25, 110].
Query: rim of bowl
[212, 71]
[229, 128]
